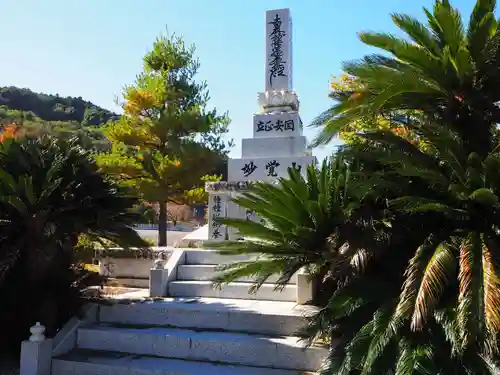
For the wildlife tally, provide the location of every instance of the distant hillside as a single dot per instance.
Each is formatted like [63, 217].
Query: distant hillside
[51, 108]
[38, 114]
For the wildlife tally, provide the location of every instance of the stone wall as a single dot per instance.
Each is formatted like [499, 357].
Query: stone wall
[131, 266]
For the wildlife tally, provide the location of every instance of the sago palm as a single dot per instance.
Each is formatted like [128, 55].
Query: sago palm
[442, 71]
[450, 292]
[50, 193]
[307, 223]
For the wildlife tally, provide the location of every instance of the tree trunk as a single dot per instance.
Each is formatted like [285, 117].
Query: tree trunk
[162, 224]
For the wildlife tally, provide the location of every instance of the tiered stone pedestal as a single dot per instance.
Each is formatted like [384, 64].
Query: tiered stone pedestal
[277, 144]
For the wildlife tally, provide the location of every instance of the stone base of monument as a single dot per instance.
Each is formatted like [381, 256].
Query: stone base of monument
[195, 239]
[266, 168]
[288, 147]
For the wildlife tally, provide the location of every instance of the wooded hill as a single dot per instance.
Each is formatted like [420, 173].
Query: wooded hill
[37, 113]
[17, 103]
[64, 116]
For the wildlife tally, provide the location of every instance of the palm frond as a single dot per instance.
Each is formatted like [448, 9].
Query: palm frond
[437, 276]
[491, 283]
[471, 307]
[414, 276]
[481, 27]
[418, 32]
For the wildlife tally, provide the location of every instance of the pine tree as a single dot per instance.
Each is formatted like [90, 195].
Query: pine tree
[166, 143]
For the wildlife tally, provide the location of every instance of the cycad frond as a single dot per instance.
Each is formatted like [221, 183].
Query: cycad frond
[482, 24]
[415, 274]
[437, 276]
[442, 73]
[418, 32]
[384, 332]
[491, 285]
[416, 60]
[302, 220]
[447, 25]
[470, 308]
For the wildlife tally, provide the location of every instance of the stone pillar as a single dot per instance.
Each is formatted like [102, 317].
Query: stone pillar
[158, 279]
[278, 142]
[278, 50]
[36, 353]
[304, 288]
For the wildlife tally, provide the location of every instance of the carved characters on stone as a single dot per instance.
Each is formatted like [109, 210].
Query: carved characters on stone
[278, 125]
[271, 168]
[249, 214]
[228, 186]
[217, 209]
[278, 142]
[266, 168]
[276, 62]
[296, 166]
[248, 169]
[216, 213]
[264, 126]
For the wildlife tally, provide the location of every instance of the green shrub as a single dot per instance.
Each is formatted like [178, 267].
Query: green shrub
[50, 194]
[306, 223]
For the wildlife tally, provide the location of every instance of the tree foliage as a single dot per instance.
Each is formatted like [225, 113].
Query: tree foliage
[346, 86]
[167, 142]
[444, 71]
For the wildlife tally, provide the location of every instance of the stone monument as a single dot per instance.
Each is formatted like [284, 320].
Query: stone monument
[277, 141]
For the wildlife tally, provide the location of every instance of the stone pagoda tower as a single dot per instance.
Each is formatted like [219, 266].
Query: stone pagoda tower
[277, 141]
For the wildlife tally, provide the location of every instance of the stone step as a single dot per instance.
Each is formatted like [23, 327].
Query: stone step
[213, 257]
[207, 272]
[83, 362]
[233, 290]
[237, 315]
[285, 352]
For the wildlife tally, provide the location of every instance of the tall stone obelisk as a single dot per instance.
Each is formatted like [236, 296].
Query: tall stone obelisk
[277, 141]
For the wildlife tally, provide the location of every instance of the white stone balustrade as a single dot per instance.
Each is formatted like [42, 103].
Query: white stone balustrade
[36, 353]
[158, 279]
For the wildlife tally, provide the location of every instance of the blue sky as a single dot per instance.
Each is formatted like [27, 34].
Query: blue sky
[91, 48]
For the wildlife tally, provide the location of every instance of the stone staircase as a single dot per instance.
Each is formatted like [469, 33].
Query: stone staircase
[199, 330]
[194, 280]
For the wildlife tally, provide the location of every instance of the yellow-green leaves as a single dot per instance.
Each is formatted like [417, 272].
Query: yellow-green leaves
[484, 196]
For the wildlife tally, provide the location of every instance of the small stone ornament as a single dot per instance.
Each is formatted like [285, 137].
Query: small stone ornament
[37, 333]
[159, 263]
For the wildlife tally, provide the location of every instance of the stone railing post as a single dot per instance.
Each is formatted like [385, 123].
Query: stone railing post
[158, 279]
[36, 353]
[304, 288]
